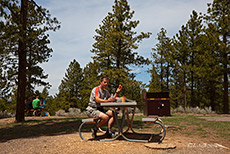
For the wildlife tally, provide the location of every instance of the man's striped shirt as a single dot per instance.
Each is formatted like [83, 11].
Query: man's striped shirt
[97, 91]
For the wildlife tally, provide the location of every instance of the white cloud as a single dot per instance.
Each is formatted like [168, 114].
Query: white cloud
[80, 18]
[136, 71]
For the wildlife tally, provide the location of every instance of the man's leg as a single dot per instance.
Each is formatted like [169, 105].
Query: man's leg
[110, 123]
[111, 119]
[103, 119]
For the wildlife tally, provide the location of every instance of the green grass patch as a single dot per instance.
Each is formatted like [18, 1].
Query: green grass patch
[193, 125]
[189, 124]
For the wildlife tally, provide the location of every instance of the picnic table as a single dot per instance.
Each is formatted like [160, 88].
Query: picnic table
[122, 106]
[124, 110]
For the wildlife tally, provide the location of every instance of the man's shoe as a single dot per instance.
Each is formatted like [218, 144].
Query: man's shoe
[94, 132]
[110, 134]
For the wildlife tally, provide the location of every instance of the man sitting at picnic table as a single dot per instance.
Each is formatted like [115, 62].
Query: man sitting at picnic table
[99, 95]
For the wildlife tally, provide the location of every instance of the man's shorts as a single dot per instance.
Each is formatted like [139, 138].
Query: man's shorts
[94, 113]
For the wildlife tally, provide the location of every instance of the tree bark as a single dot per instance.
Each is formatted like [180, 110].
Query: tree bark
[22, 64]
[225, 58]
[212, 93]
[162, 89]
[185, 94]
[168, 74]
[226, 105]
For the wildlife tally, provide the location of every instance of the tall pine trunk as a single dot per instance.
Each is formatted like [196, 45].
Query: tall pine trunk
[167, 73]
[185, 94]
[118, 61]
[226, 105]
[162, 89]
[212, 94]
[22, 65]
[225, 58]
[193, 103]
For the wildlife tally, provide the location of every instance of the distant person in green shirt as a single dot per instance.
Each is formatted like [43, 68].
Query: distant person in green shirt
[36, 103]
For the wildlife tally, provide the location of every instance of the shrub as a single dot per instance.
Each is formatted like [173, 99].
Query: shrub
[6, 114]
[72, 112]
[195, 110]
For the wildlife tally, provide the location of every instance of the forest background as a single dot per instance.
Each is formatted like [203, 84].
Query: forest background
[193, 65]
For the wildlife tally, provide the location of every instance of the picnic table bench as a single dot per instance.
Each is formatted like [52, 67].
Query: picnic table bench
[34, 112]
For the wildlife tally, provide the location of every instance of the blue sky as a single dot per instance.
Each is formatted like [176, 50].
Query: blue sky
[80, 18]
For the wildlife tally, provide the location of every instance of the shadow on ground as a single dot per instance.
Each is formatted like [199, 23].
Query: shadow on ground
[52, 127]
[36, 128]
[147, 137]
[145, 133]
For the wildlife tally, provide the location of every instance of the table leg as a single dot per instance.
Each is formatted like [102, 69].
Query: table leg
[122, 125]
[123, 120]
[127, 115]
[130, 121]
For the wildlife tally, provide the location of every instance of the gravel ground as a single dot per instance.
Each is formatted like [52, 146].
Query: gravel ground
[71, 143]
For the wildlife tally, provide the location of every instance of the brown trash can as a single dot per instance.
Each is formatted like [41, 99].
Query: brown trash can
[157, 104]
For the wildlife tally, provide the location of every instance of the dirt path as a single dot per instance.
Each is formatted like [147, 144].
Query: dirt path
[71, 143]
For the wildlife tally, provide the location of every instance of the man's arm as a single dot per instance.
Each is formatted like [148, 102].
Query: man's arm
[99, 100]
[118, 90]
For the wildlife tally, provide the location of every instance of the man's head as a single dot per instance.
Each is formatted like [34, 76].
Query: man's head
[104, 82]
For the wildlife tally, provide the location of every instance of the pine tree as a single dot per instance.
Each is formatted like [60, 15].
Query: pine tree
[69, 89]
[45, 93]
[154, 84]
[22, 62]
[208, 70]
[133, 90]
[182, 57]
[162, 58]
[90, 80]
[176, 86]
[115, 42]
[3, 81]
[219, 16]
[21, 36]
[38, 50]
[194, 29]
